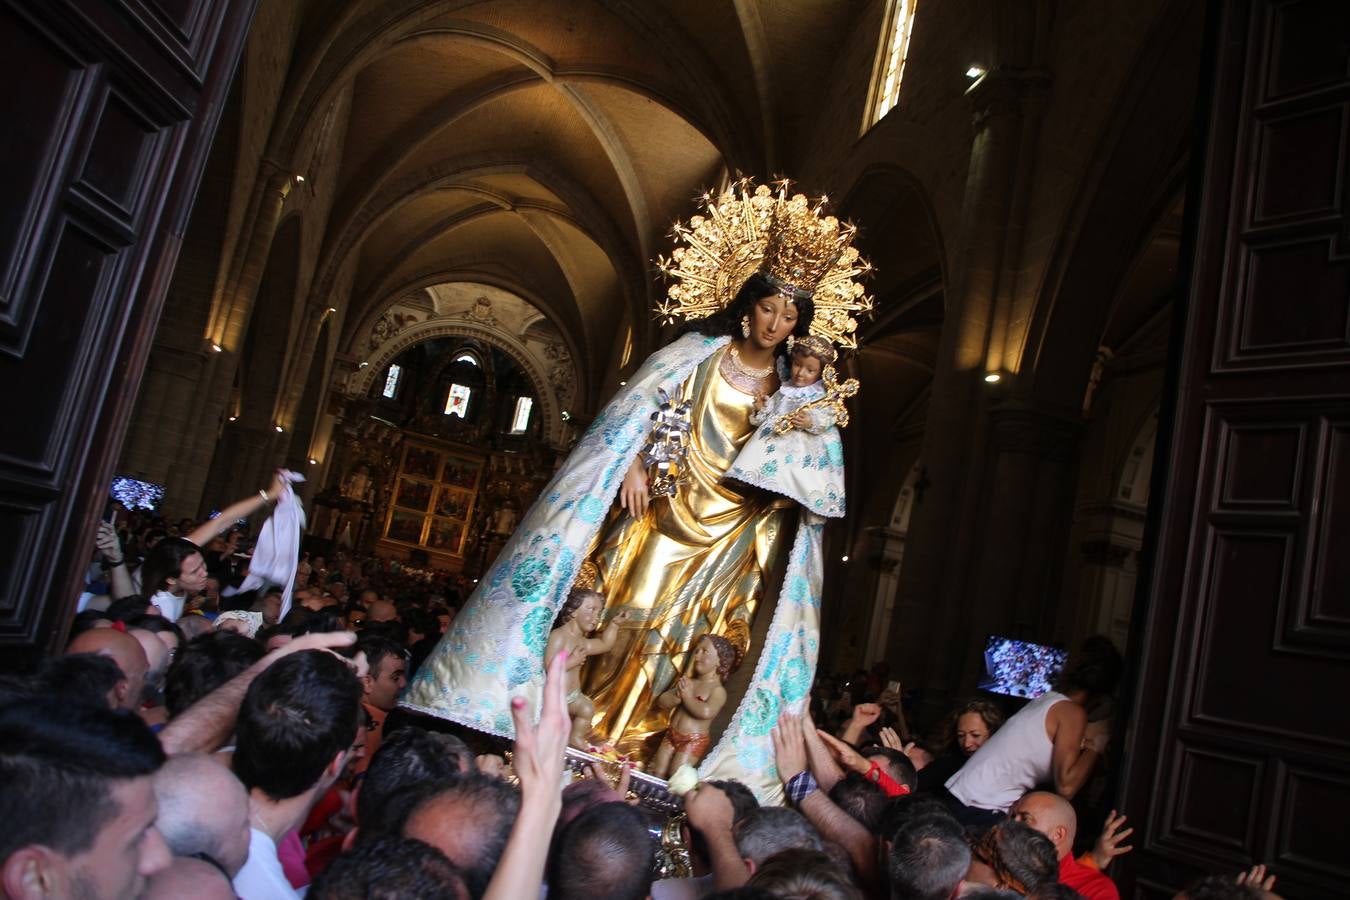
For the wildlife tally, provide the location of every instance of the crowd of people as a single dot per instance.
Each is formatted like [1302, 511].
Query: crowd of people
[194, 742]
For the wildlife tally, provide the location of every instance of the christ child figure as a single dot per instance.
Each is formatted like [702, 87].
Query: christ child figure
[810, 356]
[696, 698]
[572, 629]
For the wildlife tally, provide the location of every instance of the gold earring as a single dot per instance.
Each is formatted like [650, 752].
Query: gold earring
[745, 326]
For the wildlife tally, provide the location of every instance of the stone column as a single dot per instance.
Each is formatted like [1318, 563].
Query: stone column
[228, 327]
[934, 582]
[1023, 529]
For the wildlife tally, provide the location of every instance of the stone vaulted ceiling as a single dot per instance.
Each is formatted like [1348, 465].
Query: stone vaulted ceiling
[542, 146]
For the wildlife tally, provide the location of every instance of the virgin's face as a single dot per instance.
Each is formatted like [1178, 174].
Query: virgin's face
[971, 732]
[771, 321]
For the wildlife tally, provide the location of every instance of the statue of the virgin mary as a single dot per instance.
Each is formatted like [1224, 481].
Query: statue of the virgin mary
[680, 547]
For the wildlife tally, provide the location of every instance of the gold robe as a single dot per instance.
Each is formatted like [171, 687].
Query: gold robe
[692, 564]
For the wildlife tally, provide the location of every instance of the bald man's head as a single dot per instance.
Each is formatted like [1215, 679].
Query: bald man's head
[468, 818]
[122, 649]
[203, 808]
[189, 878]
[1051, 815]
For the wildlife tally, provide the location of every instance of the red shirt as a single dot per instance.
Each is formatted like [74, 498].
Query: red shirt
[1089, 882]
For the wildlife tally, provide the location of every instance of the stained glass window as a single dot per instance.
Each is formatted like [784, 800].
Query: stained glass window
[891, 59]
[391, 381]
[521, 419]
[457, 401]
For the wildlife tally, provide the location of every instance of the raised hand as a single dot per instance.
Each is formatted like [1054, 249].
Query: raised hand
[865, 714]
[538, 759]
[892, 740]
[108, 543]
[1256, 877]
[789, 747]
[845, 754]
[1108, 845]
[709, 809]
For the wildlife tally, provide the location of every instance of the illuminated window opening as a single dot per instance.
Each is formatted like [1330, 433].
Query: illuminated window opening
[520, 420]
[457, 401]
[891, 56]
[627, 349]
[391, 380]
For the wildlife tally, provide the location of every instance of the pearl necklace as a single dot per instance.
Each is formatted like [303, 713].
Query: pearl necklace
[745, 370]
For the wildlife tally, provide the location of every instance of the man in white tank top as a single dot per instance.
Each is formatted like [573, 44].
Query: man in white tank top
[1049, 742]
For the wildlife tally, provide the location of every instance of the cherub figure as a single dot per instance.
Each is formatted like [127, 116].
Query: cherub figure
[576, 620]
[696, 699]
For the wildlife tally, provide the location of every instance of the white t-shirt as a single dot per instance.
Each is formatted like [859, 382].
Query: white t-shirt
[262, 877]
[1014, 760]
[170, 606]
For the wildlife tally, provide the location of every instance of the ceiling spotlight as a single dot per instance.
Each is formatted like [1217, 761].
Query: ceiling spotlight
[993, 378]
[332, 309]
[623, 384]
[975, 71]
[278, 428]
[232, 418]
[844, 558]
[566, 416]
[313, 461]
[299, 179]
[363, 365]
[216, 347]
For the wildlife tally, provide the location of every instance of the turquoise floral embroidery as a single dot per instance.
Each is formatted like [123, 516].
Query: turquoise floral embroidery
[769, 469]
[761, 713]
[535, 629]
[529, 578]
[520, 671]
[591, 508]
[799, 591]
[796, 679]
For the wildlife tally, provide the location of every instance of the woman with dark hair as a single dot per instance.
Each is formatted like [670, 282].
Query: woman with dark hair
[176, 567]
[684, 551]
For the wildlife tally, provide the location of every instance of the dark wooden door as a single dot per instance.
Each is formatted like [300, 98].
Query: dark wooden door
[1240, 746]
[108, 112]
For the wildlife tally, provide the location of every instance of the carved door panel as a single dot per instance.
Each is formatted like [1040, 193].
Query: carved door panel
[109, 110]
[1240, 750]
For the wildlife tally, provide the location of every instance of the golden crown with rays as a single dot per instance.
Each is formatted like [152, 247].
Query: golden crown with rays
[753, 228]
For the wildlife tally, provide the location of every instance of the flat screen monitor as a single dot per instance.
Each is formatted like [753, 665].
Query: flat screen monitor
[133, 493]
[1020, 668]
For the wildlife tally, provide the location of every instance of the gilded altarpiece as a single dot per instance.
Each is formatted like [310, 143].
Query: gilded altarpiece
[433, 501]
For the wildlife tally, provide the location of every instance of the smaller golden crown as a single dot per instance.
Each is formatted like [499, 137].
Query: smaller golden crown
[818, 347]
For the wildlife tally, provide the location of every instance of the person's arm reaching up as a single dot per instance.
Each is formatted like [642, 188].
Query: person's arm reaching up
[711, 814]
[538, 763]
[119, 578]
[789, 745]
[204, 533]
[206, 725]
